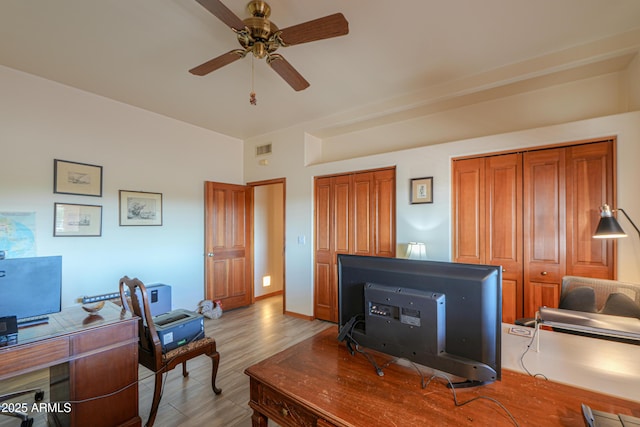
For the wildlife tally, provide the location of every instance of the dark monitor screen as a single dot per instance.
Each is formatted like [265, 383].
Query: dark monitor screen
[446, 316]
[30, 286]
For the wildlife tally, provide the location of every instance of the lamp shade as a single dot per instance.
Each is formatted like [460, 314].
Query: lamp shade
[608, 227]
[416, 250]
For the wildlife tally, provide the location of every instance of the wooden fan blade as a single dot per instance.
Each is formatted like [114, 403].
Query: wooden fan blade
[322, 28]
[223, 13]
[219, 62]
[287, 72]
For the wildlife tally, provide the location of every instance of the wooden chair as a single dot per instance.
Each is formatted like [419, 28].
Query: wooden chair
[150, 353]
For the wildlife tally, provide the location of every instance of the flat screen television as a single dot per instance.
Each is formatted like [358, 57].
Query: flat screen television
[30, 286]
[446, 316]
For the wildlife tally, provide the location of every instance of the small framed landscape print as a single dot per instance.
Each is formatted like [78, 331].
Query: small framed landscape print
[422, 190]
[140, 208]
[71, 220]
[77, 178]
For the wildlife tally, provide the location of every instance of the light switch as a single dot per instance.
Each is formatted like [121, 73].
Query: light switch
[301, 240]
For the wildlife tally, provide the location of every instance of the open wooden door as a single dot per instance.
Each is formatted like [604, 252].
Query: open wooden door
[228, 252]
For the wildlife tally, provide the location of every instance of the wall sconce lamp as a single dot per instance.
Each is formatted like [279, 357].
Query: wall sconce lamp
[416, 250]
[608, 227]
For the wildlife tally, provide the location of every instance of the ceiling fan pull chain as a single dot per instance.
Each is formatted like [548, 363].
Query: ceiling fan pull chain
[252, 95]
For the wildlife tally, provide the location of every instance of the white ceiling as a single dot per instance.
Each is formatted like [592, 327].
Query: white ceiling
[399, 56]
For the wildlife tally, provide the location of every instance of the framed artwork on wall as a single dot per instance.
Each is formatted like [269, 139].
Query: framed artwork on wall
[421, 190]
[77, 178]
[73, 220]
[140, 208]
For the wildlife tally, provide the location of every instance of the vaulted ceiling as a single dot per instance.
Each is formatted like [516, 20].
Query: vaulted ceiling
[399, 57]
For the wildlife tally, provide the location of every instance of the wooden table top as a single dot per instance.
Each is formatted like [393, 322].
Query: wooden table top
[322, 375]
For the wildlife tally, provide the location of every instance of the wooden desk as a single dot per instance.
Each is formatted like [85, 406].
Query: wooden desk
[88, 357]
[318, 383]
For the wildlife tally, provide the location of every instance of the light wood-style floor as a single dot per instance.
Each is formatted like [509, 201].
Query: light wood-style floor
[244, 336]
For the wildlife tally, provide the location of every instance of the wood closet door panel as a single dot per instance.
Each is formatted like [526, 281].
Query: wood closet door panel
[324, 254]
[354, 214]
[504, 229]
[362, 213]
[323, 215]
[384, 213]
[469, 211]
[544, 228]
[342, 213]
[511, 301]
[324, 294]
[589, 185]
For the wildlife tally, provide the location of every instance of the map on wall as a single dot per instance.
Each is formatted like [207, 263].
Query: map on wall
[17, 234]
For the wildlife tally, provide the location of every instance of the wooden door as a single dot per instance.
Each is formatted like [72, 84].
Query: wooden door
[333, 207]
[589, 185]
[544, 228]
[323, 262]
[503, 243]
[469, 211]
[354, 214]
[228, 252]
[383, 231]
[487, 225]
[362, 224]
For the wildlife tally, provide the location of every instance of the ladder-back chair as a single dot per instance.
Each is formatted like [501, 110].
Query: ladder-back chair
[150, 351]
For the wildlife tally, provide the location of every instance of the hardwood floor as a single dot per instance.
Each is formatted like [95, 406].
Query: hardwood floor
[244, 336]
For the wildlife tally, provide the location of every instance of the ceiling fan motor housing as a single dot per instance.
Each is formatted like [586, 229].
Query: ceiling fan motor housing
[260, 40]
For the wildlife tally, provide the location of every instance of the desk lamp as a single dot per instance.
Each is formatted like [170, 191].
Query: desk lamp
[608, 227]
[416, 250]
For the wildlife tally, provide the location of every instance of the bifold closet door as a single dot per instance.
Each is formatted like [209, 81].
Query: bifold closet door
[354, 214]
[534, 213]
[544, 227]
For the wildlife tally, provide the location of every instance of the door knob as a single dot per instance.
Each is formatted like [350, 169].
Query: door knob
[211, 254]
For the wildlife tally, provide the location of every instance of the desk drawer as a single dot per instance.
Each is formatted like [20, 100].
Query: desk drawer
[101, 338]
[285, 411]
[20, 359]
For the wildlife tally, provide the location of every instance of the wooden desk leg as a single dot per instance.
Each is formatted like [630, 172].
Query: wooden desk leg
[258, 419]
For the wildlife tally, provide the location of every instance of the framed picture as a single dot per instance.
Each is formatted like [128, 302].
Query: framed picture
[422, 190]
[77, 178]
[71, 220]
[140, 208]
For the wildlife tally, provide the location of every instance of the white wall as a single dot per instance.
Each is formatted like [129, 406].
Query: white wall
[41, 120]
[585, 98]
[431, 223]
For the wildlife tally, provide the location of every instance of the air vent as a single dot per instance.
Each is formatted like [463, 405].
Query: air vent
[263, 150]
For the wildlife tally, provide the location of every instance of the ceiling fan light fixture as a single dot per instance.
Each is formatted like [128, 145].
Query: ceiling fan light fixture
[259, 50]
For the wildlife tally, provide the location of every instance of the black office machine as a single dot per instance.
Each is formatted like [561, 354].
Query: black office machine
[178, 327]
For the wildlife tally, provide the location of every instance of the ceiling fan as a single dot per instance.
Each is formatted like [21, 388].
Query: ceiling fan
[261, 37]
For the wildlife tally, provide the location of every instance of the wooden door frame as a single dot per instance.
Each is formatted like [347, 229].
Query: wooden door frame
[282, 181]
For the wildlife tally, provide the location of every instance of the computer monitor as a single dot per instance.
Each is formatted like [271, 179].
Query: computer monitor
[30, 286]
[446, 316]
